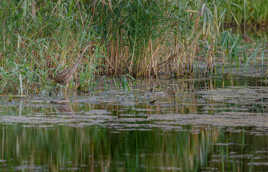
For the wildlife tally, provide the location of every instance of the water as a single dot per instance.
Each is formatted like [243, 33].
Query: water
[205, 124]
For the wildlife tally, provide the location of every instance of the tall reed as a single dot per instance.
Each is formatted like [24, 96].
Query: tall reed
[140, 38]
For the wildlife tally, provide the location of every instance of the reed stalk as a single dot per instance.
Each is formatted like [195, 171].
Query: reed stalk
[138, 38]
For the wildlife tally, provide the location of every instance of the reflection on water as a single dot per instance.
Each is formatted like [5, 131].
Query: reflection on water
[98, 148]
[164, 125]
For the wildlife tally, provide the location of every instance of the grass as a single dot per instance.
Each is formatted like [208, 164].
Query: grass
[137, 38]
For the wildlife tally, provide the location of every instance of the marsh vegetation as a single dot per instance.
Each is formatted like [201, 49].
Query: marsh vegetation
[134, 38]
[169, 86]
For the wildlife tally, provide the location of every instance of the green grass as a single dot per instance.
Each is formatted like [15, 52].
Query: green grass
[137, 38]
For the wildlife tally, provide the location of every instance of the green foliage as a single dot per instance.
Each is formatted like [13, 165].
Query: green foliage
[245, 11]
[140, 38]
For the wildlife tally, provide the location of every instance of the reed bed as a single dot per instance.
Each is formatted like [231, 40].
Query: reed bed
[137, 38]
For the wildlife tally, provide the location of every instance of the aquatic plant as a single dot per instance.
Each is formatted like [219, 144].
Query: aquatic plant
[137, 38]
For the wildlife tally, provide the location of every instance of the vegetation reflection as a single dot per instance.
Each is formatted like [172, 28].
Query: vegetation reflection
[100, 148]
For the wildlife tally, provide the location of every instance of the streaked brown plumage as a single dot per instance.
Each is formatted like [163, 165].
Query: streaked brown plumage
[66, 75]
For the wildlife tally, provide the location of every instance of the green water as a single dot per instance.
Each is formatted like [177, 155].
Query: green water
[207, 124]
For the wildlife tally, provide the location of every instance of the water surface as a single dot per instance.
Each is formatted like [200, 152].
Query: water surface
[208, 124]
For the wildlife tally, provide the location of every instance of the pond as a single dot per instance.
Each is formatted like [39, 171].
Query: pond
[215, 123]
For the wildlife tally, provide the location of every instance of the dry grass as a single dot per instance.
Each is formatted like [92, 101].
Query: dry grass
[139, 38]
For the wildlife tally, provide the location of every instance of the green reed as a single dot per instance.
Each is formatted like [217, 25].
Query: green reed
[138, 38]
[245, 12]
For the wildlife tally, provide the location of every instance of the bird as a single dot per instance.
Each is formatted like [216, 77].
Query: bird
[63, 77]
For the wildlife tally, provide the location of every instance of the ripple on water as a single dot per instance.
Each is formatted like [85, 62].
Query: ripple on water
[210, 126]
